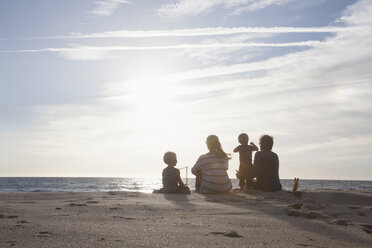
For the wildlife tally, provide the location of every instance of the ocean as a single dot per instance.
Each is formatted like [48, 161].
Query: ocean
[71, 184]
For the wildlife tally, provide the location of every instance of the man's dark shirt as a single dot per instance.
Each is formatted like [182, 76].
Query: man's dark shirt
[266, 166]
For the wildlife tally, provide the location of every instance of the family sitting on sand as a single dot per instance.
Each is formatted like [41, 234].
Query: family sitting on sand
[211, 168]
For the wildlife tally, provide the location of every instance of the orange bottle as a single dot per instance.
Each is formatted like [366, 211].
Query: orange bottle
[295, 184]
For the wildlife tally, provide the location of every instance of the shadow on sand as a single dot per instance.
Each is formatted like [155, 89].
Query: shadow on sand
[278, 205]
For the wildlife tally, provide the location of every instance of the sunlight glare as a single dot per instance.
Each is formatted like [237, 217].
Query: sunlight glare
[152, 99]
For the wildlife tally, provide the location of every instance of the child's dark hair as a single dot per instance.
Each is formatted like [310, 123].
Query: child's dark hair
[214, 145]
[243, 138]
[170, 158]
[266, 142]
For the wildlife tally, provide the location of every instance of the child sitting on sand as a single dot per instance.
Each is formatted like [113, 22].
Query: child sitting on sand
[245, 156]
[172, 182]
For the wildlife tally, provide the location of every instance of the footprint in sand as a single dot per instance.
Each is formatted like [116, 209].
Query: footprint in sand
[312, 215]
[296, 205]
[77, 204]
[2, 216]
[11, 242]
[303, 245]
[307, 215]
[367, 228]
[341, 222]
[133, 195]
[294, 213]
[231, 234]
[23, 221]
[354, 207]
[213, 200]
[233, 200]
[124, 218]
[114, 209]
[44, 234]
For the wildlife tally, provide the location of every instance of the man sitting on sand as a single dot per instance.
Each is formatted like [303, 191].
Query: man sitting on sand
[266, 166]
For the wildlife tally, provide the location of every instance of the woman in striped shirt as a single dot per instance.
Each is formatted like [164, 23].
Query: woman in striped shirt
[211, 169]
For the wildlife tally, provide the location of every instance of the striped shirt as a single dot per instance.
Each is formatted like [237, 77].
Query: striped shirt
[170, 182]
[214, 173]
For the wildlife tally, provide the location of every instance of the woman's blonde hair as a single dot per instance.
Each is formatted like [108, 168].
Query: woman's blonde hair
[214, 146]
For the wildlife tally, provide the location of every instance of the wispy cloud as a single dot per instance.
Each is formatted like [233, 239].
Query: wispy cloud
[213, 31]
[256, 5]
[335, 143]
[209, 72]
[106, 7]
[99, 52]
[187, 8]
[184, 8]
[230, 38]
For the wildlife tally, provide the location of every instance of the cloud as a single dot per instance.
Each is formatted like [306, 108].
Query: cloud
[99, 52]
[339, 143]
[232, 39]
[202, 32]
[317, 104]
[81, 53]
[257, 5]
[363, 8]
[187, 8]
[184, 8]
[324, 90]
[106, 7]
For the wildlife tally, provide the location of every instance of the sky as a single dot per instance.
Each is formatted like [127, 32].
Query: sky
[104, 88]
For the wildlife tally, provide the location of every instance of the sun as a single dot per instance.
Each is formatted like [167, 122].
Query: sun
[152, 99]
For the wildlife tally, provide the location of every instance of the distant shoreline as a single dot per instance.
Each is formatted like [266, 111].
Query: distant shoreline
[87, 184]
[367, 180]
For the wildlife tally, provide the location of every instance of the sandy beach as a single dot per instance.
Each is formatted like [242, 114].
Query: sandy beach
[127, 219]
